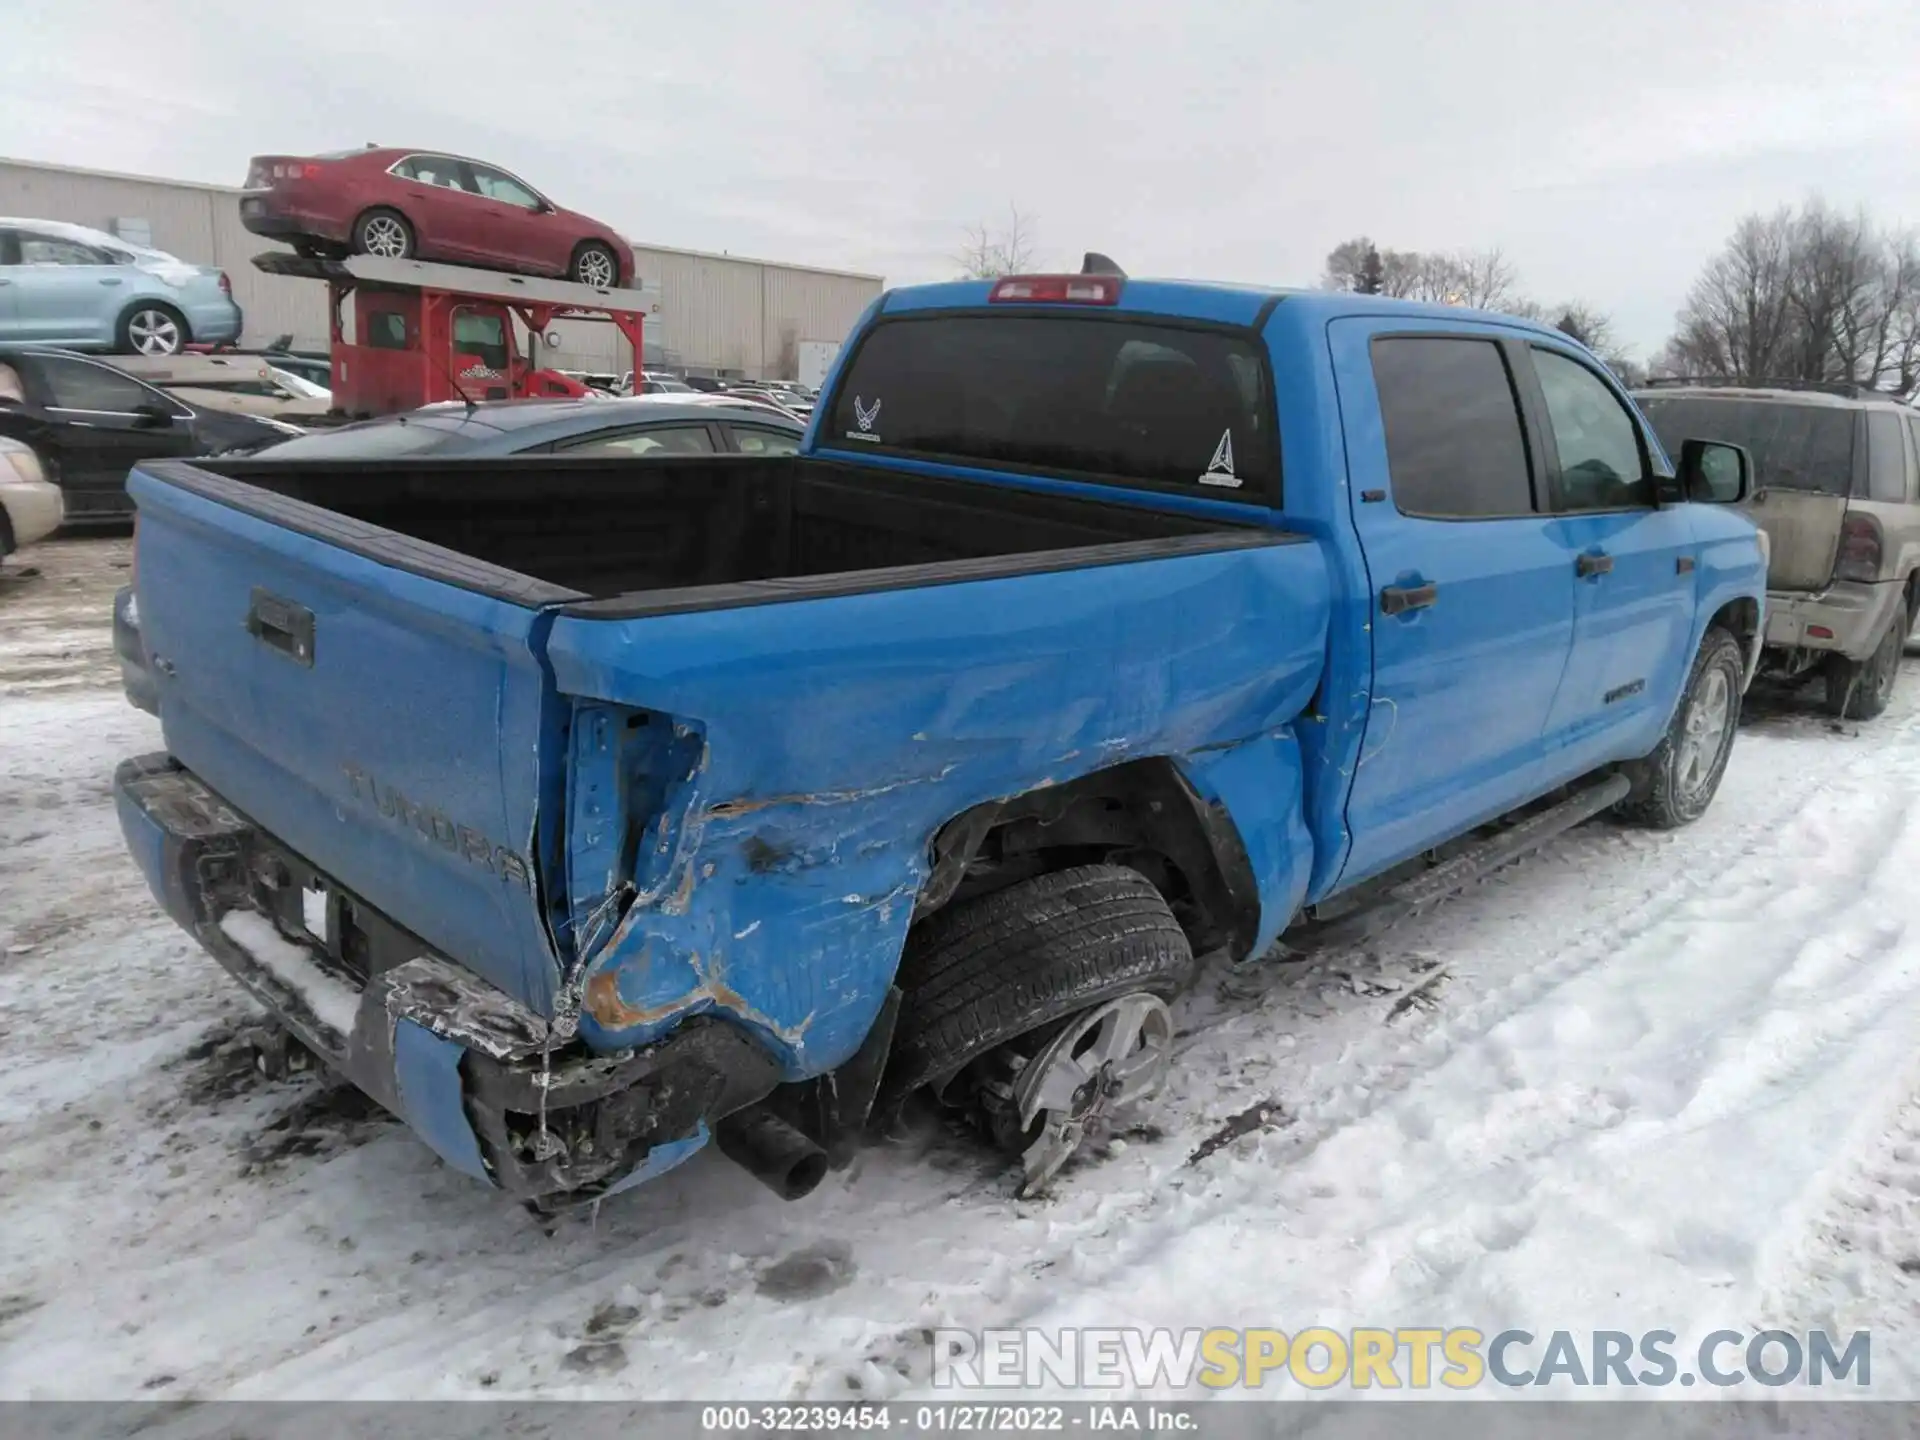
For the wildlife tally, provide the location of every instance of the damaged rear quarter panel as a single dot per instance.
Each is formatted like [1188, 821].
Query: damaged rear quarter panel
[840, 734]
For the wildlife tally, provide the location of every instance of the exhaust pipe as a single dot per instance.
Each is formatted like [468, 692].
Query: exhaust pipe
[772, 1151]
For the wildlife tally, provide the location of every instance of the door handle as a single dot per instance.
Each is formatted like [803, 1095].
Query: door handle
[281, 625]
[109, 279]
[1588, 566]
[1398, 599]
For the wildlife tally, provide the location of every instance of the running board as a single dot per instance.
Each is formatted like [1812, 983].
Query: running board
[1425, 890]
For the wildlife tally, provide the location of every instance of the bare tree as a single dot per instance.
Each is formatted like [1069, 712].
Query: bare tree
[1816, 296]
[1834, 296]
[1582, 322]
[1738, 320]
[1355, 265]
[1484, 279]
[988, 253]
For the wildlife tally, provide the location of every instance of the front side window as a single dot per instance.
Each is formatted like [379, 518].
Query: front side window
[47, 250]
[1455, 449]
[660, 440]
[1602, 466]
[498, 185]
[78, 385]
[1102, 398]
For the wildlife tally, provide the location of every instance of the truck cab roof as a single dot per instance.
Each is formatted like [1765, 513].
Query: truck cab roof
[1226, 304]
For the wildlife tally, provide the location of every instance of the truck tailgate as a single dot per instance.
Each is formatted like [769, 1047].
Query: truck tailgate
[385, 726]
[1803, 527]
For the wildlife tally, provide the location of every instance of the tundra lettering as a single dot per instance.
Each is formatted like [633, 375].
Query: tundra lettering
[463, 840]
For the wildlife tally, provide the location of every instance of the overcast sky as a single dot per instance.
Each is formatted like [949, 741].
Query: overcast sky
[1607, 148]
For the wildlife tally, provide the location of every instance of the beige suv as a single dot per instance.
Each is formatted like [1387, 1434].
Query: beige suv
[1837, 491]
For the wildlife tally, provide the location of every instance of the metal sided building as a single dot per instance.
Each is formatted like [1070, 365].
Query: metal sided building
[719, 314]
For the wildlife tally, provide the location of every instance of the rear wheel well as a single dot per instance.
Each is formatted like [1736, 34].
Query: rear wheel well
[1143, 815]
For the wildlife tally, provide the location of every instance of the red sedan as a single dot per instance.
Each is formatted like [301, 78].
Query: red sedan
[421, 204]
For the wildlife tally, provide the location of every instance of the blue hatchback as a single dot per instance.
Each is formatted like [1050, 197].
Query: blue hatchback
[84, 289]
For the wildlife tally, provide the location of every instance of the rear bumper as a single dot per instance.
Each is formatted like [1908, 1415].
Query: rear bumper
[263, 214]
[136, 671]
[215, 322]
[458, 1060]
[1853, 616]
[34, 509]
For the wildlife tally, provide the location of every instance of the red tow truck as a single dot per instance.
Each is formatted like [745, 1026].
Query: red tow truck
[407, 333]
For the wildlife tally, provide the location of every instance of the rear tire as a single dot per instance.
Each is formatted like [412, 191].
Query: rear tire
[1675, 784]
[385, 234]
[150, 328]
[594, 264]
[988, 971]
[1862, 689]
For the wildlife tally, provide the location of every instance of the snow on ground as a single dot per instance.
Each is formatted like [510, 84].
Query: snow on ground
[1637, 1081]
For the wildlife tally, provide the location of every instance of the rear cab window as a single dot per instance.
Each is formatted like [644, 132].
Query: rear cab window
[1795, 446]
[377, 440]
[1110, 399]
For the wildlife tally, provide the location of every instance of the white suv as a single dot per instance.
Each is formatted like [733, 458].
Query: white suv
[31, 506]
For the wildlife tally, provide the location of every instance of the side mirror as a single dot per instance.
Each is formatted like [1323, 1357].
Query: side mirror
[151, 415]
[1715, 474]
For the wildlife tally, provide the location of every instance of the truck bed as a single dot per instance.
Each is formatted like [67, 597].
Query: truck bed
[636, 537]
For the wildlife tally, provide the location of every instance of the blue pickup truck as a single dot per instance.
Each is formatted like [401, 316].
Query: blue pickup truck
[585, 810]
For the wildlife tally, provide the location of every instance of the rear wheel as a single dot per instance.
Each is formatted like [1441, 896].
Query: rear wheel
[384, 234]
[1674, 785]
[1862, 689]
[150, 328]
[594, 264]
[1041, 1008]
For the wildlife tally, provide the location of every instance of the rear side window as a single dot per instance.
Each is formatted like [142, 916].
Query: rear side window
[1103, 399]
[659, 440]
[1794, 446]
[1455, 449]
[1886, 457]
[764, 442]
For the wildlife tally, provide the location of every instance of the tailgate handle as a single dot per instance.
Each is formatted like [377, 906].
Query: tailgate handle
[282, 625]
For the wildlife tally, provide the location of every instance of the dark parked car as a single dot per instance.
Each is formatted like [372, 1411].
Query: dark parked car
[426, 205]
[89, 422]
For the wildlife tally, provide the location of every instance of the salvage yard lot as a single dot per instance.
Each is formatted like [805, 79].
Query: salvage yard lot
[1638, 1081]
